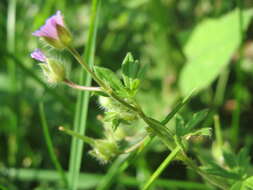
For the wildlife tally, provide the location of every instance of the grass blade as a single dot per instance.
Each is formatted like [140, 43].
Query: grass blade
[89, 181]
[82, 103]
[50, 147]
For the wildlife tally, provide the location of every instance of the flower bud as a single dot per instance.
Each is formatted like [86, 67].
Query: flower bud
[116, 110]
[54, 71]
[104, 150]
[52, 68]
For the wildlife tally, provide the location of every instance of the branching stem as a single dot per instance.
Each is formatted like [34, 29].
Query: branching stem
[158, 127]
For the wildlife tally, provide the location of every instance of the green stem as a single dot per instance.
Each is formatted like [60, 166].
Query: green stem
[218, 133]
[86, 66]
[147, 140]
[177, 108]
[50, 147]
[220, 89]
[159, 128]
[88, 140]
[100, 83]
[161, 168]
[83, 101]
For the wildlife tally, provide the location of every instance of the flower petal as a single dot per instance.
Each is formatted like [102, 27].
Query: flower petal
[38, 55]
[49, 28]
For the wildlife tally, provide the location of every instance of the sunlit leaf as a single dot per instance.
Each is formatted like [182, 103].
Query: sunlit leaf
[209, 49]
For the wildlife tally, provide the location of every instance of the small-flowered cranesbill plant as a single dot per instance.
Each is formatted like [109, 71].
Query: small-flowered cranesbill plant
[118, 98]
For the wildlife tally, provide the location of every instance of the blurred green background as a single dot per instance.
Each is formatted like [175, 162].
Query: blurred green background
[206, 44]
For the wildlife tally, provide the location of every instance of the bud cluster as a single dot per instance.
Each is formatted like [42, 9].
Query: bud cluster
[116, 112]
[55, 34]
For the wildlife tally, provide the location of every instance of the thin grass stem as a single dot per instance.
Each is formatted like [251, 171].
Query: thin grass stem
[83, 101]
[50, 147]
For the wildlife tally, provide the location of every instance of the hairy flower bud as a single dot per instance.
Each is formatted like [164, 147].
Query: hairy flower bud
[116, 110]
[52, 68]
[104, 150]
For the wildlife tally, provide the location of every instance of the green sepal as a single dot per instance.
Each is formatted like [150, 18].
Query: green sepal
[64, 35]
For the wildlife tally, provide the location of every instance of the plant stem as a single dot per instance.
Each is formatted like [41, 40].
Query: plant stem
[177, 108]
[80, 87]
[220, 89]
[218, 133]
[161, 168]
[88, 140]
[50, 147]
[86, 66]
[109, 91]
[159, 128]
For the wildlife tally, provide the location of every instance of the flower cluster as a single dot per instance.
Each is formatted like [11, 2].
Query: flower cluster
[54, 33]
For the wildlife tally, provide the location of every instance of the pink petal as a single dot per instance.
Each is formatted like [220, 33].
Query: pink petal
[38, 55]
[49, 29]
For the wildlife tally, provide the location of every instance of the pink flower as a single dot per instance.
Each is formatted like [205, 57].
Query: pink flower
[38, 55]
[49, 30]
[54, 32]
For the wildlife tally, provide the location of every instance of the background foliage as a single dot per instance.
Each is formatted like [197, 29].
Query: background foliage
[202, 44]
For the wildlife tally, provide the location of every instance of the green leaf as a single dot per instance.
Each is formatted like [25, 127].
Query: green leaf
[230, 159]
[132, 72]
[237, 186]
[110, 79]
[209, 49]
[201, 132]
[188, 129]
[215, 169]
[247, 184]
[243, 159]
[238, 162]
[196, 119]
[180, 126]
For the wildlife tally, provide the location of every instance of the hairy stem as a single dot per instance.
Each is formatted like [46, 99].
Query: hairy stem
[80, 87]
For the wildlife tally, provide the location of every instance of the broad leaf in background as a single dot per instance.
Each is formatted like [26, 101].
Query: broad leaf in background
[210, 48]
[243, 185]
